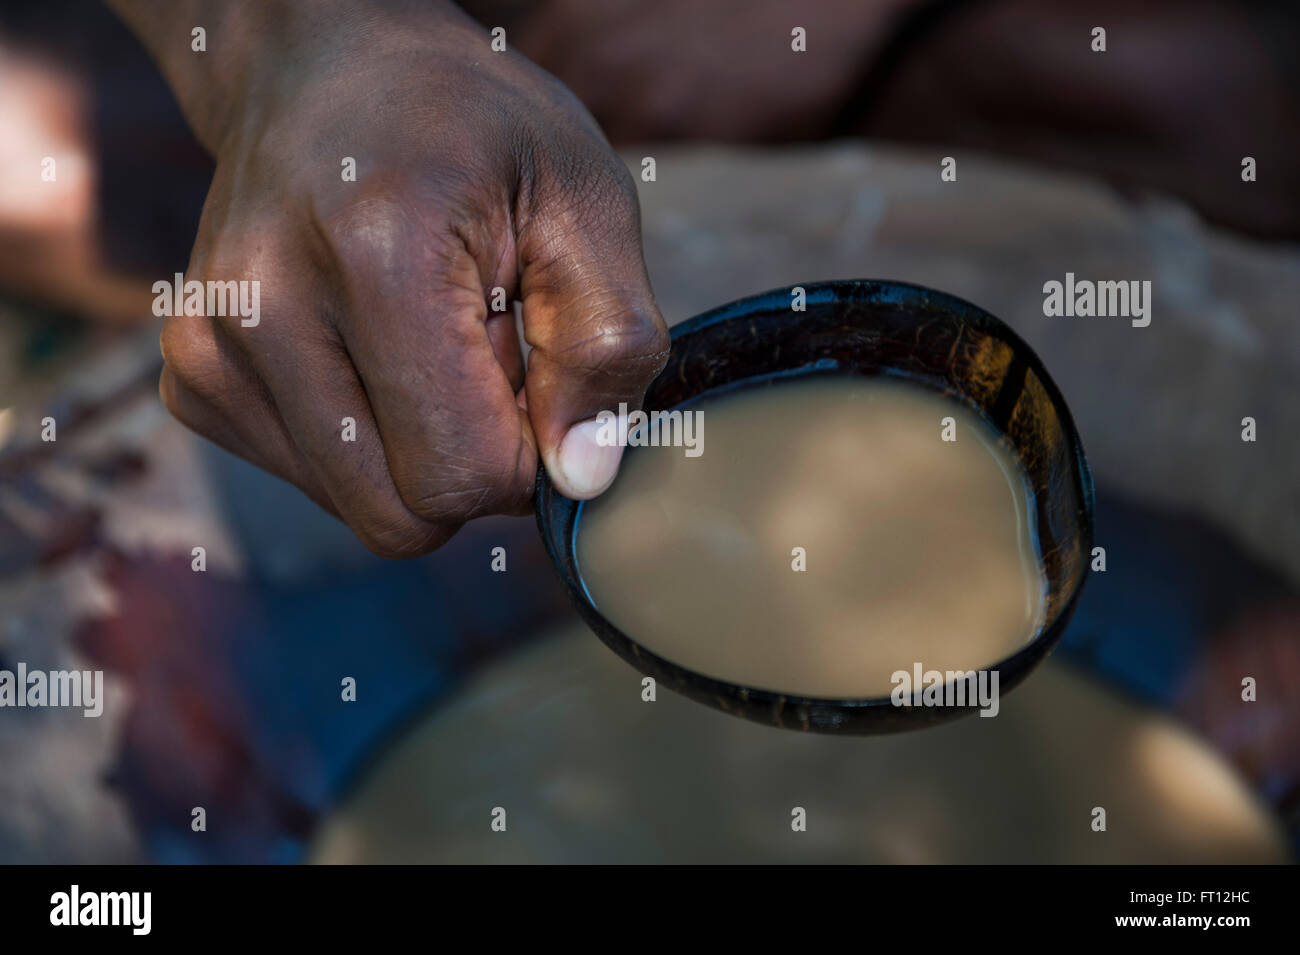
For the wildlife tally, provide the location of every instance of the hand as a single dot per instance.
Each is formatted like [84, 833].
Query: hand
[474, 170]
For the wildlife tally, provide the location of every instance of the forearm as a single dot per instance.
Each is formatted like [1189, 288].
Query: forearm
[258, 49]
[204, 80]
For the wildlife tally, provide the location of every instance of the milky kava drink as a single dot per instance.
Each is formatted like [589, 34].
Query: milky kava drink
[825, 536]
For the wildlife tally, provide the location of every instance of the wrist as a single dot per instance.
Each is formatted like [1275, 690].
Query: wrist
[260, 53]
[208, 51]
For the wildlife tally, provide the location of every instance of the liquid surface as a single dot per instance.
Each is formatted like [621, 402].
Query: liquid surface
[918, 550]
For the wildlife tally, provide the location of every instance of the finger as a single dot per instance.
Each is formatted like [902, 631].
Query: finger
[505, 346]
[597, 336]
[435, 370]
[297, 357]
[213, 391]
[329, 415]
[279, 458]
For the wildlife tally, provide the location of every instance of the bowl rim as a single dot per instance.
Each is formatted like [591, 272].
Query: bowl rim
[830, 714]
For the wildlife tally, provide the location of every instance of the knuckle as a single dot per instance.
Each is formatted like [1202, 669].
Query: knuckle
[396, 248]
[457, 495]
[631, 343]
[382, 228]
[366, 228]
[399, 536]
[257, 254]
[185, 351]
[448, 504]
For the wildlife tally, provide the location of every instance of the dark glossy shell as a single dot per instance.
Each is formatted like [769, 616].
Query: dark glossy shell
[868, 328]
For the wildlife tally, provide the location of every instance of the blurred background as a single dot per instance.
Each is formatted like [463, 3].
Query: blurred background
[478, 689]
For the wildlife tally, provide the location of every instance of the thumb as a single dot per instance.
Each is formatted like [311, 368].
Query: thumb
[597, 337]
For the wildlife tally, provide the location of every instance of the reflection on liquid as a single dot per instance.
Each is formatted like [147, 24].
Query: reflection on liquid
[559, 736]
